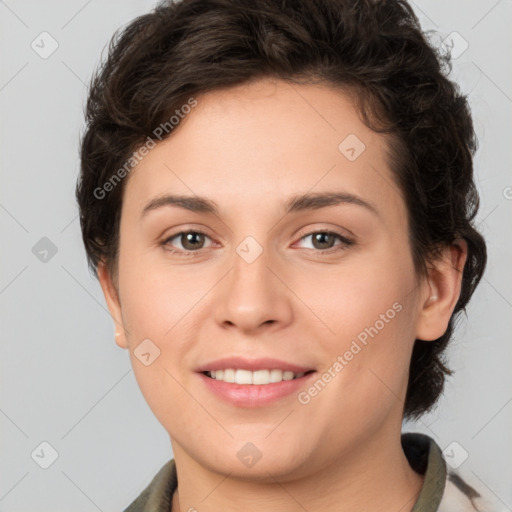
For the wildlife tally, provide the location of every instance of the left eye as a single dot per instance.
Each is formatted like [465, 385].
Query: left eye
[321, 240]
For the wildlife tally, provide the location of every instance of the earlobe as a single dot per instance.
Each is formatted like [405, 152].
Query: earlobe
[442, 291]
[121, 339]
[113, 303]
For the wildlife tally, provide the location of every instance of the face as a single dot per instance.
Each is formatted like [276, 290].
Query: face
[327, 285]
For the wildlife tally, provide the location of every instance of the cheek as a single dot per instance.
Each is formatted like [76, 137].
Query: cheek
[367, 291]
[155, 319]
[155, 299]
[370, 311]
[159, 385]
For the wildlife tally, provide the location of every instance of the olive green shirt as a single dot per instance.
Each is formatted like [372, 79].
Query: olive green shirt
[441, 488]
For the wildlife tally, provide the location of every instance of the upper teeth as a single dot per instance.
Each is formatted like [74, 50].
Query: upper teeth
[257, 377]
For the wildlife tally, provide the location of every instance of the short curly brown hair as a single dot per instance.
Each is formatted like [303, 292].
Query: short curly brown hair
[373, 49]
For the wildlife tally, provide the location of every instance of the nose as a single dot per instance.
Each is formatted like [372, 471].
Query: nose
[254, 295]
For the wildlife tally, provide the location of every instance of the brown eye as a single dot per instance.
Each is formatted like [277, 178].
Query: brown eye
[325, 240]
[190, 241]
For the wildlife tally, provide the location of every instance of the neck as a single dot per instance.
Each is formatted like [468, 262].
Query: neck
[377, 477]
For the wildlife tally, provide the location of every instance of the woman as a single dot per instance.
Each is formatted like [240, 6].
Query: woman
[277, 199]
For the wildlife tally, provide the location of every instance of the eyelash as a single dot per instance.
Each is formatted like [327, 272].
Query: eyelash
[345, 242]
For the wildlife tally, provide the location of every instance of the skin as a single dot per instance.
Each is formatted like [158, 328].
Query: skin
[249, 148]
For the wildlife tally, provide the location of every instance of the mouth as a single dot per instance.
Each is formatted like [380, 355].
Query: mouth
[258, 377]
[253, 382]
[260, 387]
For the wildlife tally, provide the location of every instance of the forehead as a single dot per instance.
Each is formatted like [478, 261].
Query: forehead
[246, 145]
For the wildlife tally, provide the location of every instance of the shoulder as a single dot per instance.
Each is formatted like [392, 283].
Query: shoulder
[446, 489]
[464, 491]
[157, 496]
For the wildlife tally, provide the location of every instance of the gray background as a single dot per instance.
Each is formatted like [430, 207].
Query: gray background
[63, 379]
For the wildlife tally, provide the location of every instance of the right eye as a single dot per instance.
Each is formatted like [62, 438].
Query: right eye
[191, 242]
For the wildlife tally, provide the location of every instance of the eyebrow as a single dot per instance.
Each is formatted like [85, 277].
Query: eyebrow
[297, 203]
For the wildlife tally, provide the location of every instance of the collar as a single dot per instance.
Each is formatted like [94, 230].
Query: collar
[426, 458]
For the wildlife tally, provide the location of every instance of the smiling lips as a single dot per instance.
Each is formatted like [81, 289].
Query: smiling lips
[259, 377]
[252, 371]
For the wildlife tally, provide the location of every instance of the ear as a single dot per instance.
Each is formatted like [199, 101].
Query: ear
[113, 303]
[442, 291]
